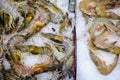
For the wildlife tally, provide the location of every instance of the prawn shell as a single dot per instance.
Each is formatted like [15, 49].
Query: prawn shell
[9, 75]
[16, 40]
[56, 14]
[40, 21]
[39, 68]
[1, 52]
[53, 37]
[21, 70]
[101, 32]
[28, 13]
[101, 66]
[35, 50]
[97, 9]
[114, 49]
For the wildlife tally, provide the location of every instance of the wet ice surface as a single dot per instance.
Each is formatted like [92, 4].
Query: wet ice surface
[30, 60]
[86, 70]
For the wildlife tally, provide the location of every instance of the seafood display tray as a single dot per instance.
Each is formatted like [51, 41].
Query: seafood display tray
[37, 40]
[86, 69]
